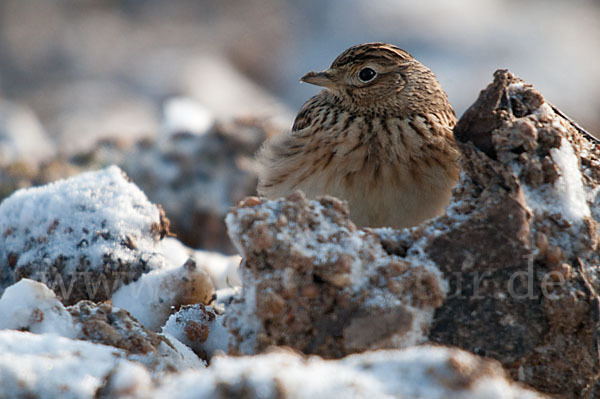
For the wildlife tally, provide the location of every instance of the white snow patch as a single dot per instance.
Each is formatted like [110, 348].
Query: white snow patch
[48, 366]
[131, 380]
[69, 218]
[218, 336]
[325, 241]
[567, 196]
[32, 306]
[22, 137]
[184, 114]
[148, 299]
[569, 185]
[544, 111]
[417, 372]
[174, 251]
[183, 356]
[152, 297]
[223, 269]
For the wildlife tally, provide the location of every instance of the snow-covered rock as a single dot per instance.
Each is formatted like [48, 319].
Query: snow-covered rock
[519, 244]
[31, 306]
[84, 236]
[419, 372]
[200, 328]
[313, 281]
[108, 325]
[49, 366]
[152, 298]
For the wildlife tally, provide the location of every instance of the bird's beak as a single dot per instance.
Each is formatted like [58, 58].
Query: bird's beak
[323, 78]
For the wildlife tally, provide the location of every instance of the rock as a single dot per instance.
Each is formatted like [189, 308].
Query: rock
[198, 177]
[84, 236]
[200, 328]
[520, 245]
[50, 366]
[31, 306]
[418, 372]
[155, 295]
[314, 282]
[108, 325]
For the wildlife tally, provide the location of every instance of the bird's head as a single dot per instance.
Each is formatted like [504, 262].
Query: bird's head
[380, 78]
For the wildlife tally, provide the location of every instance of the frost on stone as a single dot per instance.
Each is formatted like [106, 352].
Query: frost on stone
[519, 243]
[108, 325]
[418, 372]
[83, 236]
[200, 328]
[569, 183]
[31, 306]
[153, 297]
[314, 282]
[49, 366]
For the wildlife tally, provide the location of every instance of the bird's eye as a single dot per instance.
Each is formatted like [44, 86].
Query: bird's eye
[366, 75]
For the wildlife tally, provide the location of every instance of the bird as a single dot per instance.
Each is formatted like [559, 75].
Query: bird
[378, 135]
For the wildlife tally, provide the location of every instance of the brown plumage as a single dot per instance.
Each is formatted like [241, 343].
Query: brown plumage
[378, 136]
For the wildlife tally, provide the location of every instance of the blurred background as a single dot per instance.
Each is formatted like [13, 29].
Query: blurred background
[73, 72]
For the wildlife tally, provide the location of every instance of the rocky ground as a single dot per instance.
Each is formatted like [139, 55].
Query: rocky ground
[498, 298]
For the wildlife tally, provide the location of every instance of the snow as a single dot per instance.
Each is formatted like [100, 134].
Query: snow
[418, 372]
[148, 299]
[567, 196]
[223, 269]
[183, 114]
[218, 336]
[130, 380]
[174, 251]
[248, 322]
[152, 297]
[87, 216]
[48, 366]
[307, 230]
[569, 185]
[22, 137]
[30, 305]
[183, 357]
